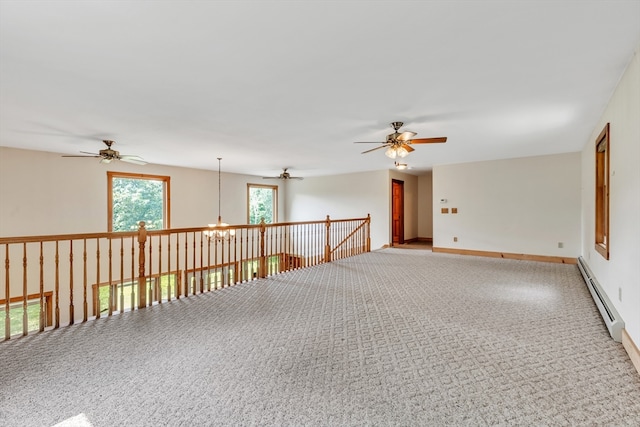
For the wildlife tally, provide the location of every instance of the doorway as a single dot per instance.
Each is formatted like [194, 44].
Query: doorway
[397, 212]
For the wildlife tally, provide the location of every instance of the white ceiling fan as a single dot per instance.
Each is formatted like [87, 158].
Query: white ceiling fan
[283, 176]
[107, 155]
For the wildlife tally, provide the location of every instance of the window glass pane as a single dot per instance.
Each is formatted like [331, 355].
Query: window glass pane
[16, 316]
[262, 204]
[136, 200]
[125, 294]
[214, 278]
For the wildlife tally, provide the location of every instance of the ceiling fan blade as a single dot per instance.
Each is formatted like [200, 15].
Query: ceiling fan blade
[280, 177]
[133, 159]
[427, 140]
[369, 142]
[96, 156]
[377, 148]
[405, 136]
[408, 148]
[107, 155]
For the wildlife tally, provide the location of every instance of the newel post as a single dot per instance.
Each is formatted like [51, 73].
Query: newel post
[368, 233]
[142, 281]
[262, 272]
[327, 246]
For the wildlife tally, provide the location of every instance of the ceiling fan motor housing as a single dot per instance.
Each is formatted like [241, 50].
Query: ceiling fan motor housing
[109, 153]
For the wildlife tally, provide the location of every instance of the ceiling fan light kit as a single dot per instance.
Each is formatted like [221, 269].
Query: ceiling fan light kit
[394, 152]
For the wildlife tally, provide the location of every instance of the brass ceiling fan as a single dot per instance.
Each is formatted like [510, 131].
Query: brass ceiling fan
[398, 144]
[284, 176]
[107, 155]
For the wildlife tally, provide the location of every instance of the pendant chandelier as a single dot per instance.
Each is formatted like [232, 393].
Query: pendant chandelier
[219, 230]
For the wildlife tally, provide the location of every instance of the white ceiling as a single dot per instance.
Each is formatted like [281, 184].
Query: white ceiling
[272, 84]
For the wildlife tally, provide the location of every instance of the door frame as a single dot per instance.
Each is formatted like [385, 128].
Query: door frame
[399, 202]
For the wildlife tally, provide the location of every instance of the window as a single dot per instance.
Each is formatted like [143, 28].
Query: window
[123, 295]
[137, 197]
[212, 277]
[250, 267]
[262, 203]
[16, 312]
[602, 192]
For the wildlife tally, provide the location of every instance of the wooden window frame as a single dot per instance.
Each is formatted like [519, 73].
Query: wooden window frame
[603, 153]
[166, 189]
[275, 200]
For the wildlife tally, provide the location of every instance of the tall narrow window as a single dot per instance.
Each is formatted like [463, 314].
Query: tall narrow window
[262, 202]
[137, 197]
[602, 192]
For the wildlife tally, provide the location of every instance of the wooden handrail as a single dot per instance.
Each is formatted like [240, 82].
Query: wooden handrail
[122, 234]
[59, 237]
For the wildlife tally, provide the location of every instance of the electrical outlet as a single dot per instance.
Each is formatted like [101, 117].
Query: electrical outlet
[455, 239]
[560, 245]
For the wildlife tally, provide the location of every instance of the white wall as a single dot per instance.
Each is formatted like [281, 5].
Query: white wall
[620, 275]
[425, 205]
[356, 195]
[44, 193]
[525, 205]
[344, 196]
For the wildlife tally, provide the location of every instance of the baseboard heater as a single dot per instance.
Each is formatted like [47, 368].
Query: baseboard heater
[611, 318]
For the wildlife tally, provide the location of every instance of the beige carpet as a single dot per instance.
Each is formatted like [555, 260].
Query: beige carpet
[393, 337]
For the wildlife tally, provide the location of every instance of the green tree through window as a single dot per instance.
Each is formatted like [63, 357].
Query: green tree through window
[263, 202]
[135, 198]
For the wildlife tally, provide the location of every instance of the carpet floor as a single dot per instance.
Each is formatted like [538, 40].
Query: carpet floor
[395, 337]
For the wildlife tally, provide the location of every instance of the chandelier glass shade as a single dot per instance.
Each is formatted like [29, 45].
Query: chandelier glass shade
[219, 231]
[396, 151]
